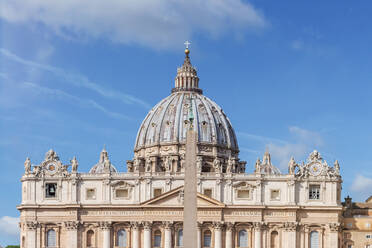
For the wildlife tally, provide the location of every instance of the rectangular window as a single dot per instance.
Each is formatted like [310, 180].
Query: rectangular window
[208, 192]
[349, 246]
[91, 194]
[314, 192]
[157, 192]
[50, 190]
[368, 236]
[275, 195]
[243, 193]
[121, 193]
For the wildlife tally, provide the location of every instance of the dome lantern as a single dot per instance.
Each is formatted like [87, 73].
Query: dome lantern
[187, 78]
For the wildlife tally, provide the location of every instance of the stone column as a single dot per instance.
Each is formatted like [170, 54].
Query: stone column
[290, 233]
[198, 236]
[217, 234]
[333, 235]
[106, 229]
[72, 233]
[147, 234]
[257, 234]
[31, 227]
[167, 234]
[306, 233]
[229, 233]
[135, 234]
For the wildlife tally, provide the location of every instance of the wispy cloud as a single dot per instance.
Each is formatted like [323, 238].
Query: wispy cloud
[300, 141]
[77, 80]
[362, 184]
[74, 99]
[157, 24]
[297, 45]
[9, 225]
[259, 138]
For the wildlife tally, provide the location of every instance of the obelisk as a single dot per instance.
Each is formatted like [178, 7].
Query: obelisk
[190, 204]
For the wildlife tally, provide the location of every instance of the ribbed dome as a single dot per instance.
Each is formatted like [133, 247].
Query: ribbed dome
[168, 122]
[104, 164]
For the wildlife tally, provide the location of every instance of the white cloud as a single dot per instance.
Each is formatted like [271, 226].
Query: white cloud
[9, 225]
[300, 142]
[362, 184]
[76, 80]
[154, 23]
[297, 45]
[78, 100]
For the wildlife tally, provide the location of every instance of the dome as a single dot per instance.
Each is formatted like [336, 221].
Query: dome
[104, 164]
[161, 138]
[168, 122]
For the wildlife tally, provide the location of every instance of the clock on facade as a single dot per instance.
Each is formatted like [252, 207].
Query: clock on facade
[52, 167]
[315, 169]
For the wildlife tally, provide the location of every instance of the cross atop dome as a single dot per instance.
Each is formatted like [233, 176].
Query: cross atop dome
[187, 78]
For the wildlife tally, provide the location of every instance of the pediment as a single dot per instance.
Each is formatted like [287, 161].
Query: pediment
[174, 198]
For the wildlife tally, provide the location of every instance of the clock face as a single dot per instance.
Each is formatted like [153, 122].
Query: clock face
[315, 169]
[52, 167]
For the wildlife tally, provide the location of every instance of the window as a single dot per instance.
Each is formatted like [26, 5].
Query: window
[121, 193]
[274, 239]
[368, 246]
[50, 190]
[243, 193]
[157, 192]
[368, 236]
[91, 194]
[314, 239]
[275, 195]
[208, 192]
[157, 238]
[368, 225]
[243, 238]
[207, 238]
[51, 238]
[314, 192]
[180, 238]
[349, 225]
[90, 238]
[349, 246]
[121, 238]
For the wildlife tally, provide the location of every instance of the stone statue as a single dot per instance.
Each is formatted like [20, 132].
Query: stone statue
[51, 155]
[168, 164]
[74, 165]
[217, 165]
[136, 164]
[27, 166]
[199, 163]
[257, 166]
[106, 166]
[337, 168]
[148, 164]
[292, 166]
[315, 156]
[229, 165]
[182, 162]
[129, 165]
[37, 170]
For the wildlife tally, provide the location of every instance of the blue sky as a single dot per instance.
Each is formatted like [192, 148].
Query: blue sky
[292, 76]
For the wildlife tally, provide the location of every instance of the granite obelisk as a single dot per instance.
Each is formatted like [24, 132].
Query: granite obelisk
[190, 193]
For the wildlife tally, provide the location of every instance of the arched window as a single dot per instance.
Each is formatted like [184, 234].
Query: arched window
[90, 238]
[243, 238]
[207, 238]
[51, 238]
[157, 238]
[274, 239]
[121, 238]
[314, 239]
[180, 238]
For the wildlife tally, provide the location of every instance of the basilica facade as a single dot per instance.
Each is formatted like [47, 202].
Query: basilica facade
[143, 207]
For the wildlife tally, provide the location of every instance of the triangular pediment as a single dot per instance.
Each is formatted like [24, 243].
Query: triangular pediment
[173, 198]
